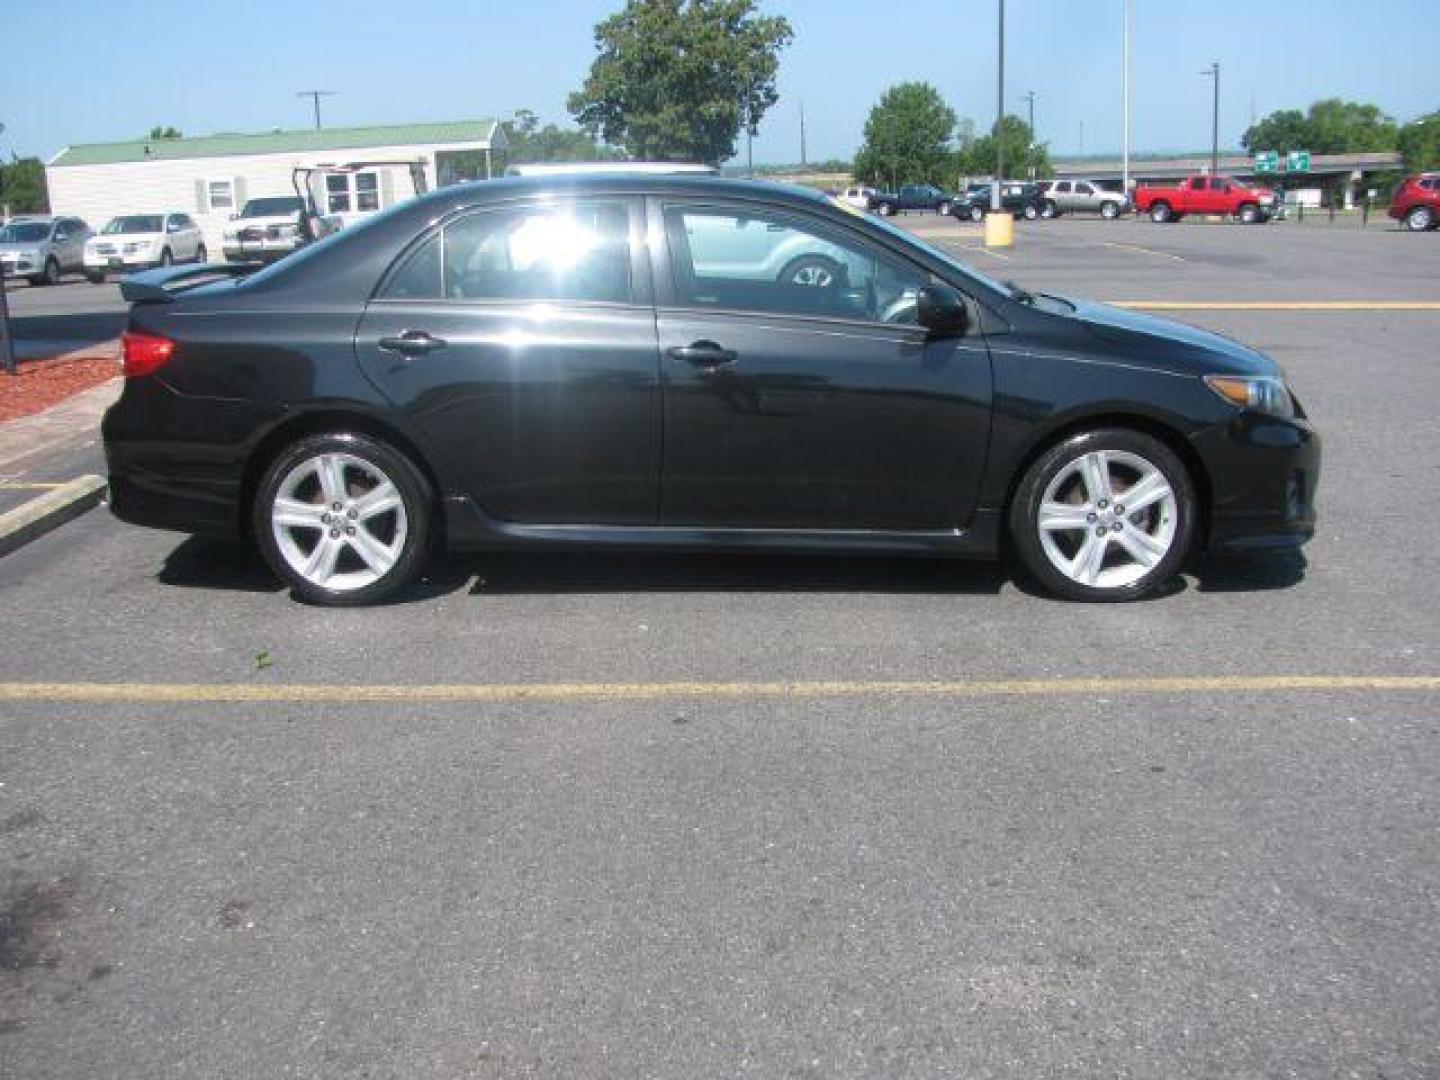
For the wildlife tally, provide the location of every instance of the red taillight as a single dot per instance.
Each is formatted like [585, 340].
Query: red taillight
[143, 353]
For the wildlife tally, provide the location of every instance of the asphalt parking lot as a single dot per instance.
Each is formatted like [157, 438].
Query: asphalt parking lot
[777, 817]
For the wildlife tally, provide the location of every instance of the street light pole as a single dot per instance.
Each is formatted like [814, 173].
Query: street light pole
[999, 120]
[7, 349]
[1030, 100]
[1213, 71]
[1125, 155]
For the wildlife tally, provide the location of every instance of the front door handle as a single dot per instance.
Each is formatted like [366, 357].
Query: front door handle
[412, 343]
[705, 354]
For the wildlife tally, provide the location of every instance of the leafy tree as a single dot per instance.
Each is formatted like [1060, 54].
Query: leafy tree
[1420, 143]
[1022, 153]
[907, 138]
[681, 79]
[529, 142]
[158, 132]
[22, 186]
[1331, 126]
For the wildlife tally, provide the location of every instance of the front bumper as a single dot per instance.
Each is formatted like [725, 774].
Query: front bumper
[21, 267]
[264, 249]
[120, 261]
[1264, 473]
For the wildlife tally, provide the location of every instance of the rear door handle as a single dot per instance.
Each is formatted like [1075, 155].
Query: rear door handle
[412, 343]
[704, 354]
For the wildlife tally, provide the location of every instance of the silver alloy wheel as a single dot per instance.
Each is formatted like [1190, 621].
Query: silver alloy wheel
[1109, 211]
[813, 274]
[1107, 519]
[1420, 219]
[977, 213]
[339, 521]
[943, 208]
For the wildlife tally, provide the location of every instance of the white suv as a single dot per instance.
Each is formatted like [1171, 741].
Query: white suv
[140, 241]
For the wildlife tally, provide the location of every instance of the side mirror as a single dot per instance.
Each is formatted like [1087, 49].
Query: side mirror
[941, 310]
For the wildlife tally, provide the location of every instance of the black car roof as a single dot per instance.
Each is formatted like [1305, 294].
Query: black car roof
[514, 187]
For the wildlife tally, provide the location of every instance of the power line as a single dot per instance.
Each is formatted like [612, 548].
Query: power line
[315, 96]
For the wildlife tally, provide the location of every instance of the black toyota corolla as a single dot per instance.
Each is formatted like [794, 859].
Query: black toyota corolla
[681, 362]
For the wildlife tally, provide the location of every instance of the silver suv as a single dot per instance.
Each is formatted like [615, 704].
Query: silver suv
[1083, 196]
[41, 248]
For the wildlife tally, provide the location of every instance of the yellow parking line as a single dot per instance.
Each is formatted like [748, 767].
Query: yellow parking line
[1277, 305]
[9, 486]
[1147, 251]
[492, 693]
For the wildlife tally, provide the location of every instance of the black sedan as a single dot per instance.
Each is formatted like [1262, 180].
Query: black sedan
[1021, 199]
[681, 362]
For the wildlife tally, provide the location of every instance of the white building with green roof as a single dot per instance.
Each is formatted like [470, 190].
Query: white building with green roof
[211, 177]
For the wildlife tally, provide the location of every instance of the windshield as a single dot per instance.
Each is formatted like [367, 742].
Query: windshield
[24, 232]
[146, 223]
[944, 256]
[275, 207]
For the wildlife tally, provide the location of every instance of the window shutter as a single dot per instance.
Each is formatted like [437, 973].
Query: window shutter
[201, 203]
[239, 189]
[387, 188]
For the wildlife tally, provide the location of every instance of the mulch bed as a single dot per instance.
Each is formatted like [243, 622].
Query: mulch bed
[38, 384]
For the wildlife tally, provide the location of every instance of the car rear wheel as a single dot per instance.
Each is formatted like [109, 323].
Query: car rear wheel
[95, 277]
[1031, 211]
[1420, 219]
[1105, 515]
[943, 208]
[1109, 211]
[165, 257]
[201, 255]
[344, 519]
[1160, 212]
[1249, 213]
[816, 271]
[977, 213]
[884, 209]
[1049, 210]
[51, 276]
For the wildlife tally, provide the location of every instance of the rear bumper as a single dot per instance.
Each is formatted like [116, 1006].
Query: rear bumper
[1264, 474]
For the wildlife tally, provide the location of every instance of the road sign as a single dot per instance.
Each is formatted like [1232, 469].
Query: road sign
[1297, 161]
[1267, 161]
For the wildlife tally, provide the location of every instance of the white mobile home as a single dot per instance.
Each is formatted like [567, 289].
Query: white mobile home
[211, 177]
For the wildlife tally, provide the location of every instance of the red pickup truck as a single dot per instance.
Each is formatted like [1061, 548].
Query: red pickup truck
[1206, 195]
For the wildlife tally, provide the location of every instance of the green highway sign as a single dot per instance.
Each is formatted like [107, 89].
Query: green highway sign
[1297, 161]
[1267, 161]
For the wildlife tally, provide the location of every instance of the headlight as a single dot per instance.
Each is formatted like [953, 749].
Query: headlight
[1266, 394]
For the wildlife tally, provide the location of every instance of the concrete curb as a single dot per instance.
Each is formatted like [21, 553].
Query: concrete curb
[40, 515]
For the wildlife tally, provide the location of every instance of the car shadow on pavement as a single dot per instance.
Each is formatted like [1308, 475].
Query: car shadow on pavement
[1254, 573]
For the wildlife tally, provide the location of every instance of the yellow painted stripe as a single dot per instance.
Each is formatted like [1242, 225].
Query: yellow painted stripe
[491, 693]
[29, 487]
[1277, 305]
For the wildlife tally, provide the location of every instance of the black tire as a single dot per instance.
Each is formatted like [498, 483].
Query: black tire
[1031, 212]
[1049, 209]
[1161, 213]
[1174, 517]
[977, 213]
[51, 276]
[1248, 213]
[1420, 219]
[816, 271]
[201, 255]
[1109, 210]
[885, 209]
[417, 504]
[944, 207]
[166, 258]
[95, 277]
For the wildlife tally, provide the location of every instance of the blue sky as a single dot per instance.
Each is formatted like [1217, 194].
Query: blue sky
[89, 70]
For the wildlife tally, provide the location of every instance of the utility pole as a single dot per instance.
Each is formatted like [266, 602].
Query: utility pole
[7, 349]
[315, 96]
[1082, 139]
[999, 119]
[1213, 72]
[1030, 100]
[1125, 159]
[802, 133]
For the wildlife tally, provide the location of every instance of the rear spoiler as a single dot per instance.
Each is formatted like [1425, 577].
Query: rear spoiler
[161, 285]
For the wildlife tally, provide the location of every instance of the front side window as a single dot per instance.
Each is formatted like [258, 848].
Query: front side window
[744, 261]
[569, 251]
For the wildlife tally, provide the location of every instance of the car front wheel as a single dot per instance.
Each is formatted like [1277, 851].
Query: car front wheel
[1105, 515]
[344, 519]
[1031, 212]
[1160, 212]
[1109, 211]
[977, 213]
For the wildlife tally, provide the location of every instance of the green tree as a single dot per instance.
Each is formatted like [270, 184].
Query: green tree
[22, 186]
[907, 138]
[681, 79]
[159, 132]
[529, 142]
[1420, 143]
[1331, 126]
[1022, 153]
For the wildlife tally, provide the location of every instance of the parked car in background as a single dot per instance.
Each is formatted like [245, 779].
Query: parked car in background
[1081, 197]
[861, 198]
[1204, 194]
[265, 230]
[140, 241]
[1417, 202]
[531, 362]
[42, 247]
[913, 197]
[1021, 199]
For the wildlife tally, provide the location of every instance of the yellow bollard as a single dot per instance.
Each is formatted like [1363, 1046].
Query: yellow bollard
[999, 229]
